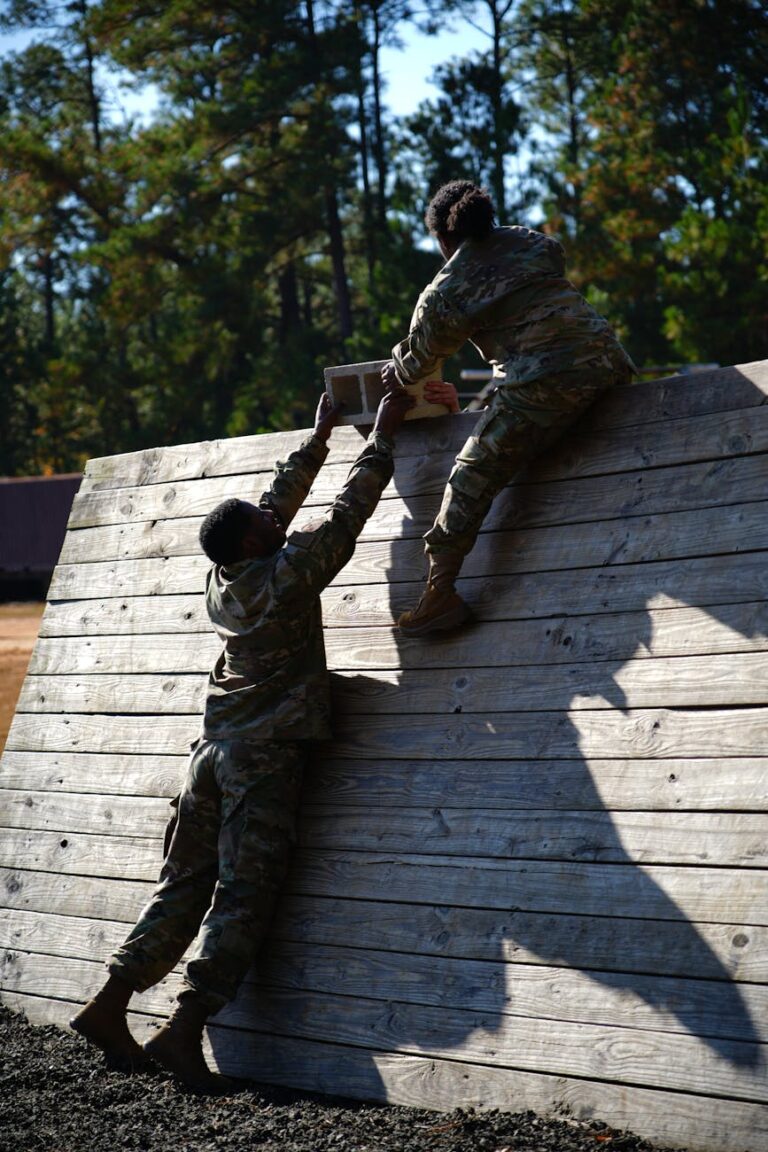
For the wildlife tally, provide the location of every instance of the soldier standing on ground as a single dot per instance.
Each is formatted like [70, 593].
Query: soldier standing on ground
[503, 288]
[267, 701]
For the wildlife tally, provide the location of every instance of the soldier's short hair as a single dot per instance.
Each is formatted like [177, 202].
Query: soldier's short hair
[460, 210]
[222, 531]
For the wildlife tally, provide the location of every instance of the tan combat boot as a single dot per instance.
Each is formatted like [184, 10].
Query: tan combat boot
[440, 606]
[103, 1022]
[178, 1047]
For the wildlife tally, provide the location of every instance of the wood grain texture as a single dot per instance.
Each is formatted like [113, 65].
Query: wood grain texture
[711, 582]
[727, 839]
[164, 519]
[730, 784]
[531, 868]
[616, 542]
[647, 892]
[547, 735]
[550, 1044]
[703, 681]
[616, 636]
[714, 952]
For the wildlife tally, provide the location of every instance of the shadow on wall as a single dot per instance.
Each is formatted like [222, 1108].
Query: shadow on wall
[550, 906]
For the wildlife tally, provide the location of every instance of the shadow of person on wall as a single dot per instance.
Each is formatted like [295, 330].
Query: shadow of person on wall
[551, 883]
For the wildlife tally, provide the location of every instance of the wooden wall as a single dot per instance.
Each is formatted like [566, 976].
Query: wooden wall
[532, 869]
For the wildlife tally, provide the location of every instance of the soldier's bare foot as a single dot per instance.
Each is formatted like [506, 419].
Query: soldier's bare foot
[101, 1026]
[179, 1050]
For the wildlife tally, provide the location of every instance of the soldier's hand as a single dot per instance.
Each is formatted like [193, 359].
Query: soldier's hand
[392, 411]
[389, 378]
[442, 392]
[327, 417]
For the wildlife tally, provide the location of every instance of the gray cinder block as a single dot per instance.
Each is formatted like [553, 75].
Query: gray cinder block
[359, 388]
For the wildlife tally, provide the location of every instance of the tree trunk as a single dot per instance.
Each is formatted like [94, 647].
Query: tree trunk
[498, 143]
[290, 312]
[340, 282]
[379, 149]
[49, 338]
[362, 123]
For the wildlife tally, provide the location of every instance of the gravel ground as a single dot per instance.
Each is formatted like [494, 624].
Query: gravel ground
[57, 1095]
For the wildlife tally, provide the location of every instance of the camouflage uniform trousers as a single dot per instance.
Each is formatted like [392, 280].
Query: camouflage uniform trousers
[521, 421]
[227, 852]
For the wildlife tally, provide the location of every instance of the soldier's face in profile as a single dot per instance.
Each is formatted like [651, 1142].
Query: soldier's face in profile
[264, 535]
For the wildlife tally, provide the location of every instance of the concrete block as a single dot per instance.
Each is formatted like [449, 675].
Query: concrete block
[359, 388]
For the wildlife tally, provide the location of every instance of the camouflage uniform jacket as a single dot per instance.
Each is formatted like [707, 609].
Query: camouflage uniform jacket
[507, 294]
[271, 681]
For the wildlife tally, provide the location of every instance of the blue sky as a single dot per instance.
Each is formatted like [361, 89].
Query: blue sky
[407, 71]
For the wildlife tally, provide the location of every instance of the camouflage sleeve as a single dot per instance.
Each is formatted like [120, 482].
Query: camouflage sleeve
[294, 478]
[438, 329]
[310, 560]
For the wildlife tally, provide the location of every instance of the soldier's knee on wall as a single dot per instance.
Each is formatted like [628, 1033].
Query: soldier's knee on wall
[468, 483]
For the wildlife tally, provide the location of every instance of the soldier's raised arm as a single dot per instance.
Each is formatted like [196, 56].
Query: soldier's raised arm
[294, 477]
[311, 559]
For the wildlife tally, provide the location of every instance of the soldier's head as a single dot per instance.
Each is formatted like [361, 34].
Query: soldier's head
[459, 211]
[236, 530]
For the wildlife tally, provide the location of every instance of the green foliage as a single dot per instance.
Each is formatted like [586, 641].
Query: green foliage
[190, 277]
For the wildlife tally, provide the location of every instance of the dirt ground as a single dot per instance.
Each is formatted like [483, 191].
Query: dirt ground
[19, 624]
[56, 1095]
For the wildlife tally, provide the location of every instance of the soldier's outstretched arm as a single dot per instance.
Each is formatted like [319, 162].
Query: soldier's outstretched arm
[294, 477]
[310, 560]
[438, 329]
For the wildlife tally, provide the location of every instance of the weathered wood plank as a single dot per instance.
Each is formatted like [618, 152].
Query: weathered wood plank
[652, 733]
[65, 979]
[723, 390]
[726, 582]
[606, 943]
[647, 892]
[729, 784]
[695, 681]
[165, 519]
[634, 1056]
[169, 576]
[630, 1054]
[709, 1009]
[127, 615]
[670, 397]
[118, 857]
[94, 898]
[114, 693]
[632, 540]
[679, 682]
[190, 655]
[614, 636]
[669, 1119]
[708, 582]
[726, 839]
[101, 814]
[702, 951]
[132, 775]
